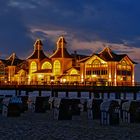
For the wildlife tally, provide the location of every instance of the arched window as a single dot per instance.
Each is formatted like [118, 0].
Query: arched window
[96, 63]
[73, 72]
[57, 67]
[33, 67]
[46, 65]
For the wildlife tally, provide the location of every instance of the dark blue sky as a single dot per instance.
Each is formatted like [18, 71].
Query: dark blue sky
[86, 24]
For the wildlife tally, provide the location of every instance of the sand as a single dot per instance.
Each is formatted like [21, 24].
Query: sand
[37, 126]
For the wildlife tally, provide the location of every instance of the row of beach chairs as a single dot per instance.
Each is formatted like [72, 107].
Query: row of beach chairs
[109, 112]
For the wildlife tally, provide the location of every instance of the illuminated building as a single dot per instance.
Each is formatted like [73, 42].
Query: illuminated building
[103, 68]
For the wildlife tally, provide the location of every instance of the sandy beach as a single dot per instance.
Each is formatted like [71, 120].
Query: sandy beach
[39, 126]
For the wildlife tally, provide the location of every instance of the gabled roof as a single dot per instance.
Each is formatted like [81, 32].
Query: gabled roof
[108, 55]
[61, 51]
[77, 68]
[85, 59]
[38, 52]
[12, 60]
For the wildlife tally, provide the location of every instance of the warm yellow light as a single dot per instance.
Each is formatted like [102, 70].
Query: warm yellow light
[64, 80]
[94, 75]
[74, 72]
[40, 76]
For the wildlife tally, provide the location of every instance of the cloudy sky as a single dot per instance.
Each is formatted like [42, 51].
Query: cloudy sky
[88, 25]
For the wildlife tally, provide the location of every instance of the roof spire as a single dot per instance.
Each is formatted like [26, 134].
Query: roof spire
[38, 45]
[61, 51]
[61, 43]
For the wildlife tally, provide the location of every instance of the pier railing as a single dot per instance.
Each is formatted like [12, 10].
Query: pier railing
[86, 86]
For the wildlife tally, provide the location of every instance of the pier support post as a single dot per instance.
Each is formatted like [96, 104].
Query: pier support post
[134, 95]
[124, 95]
[102, 95]
[17, 92]
[52, 93]
[67, 94]
[27, 93]
[39, 94]
[79, 94]
[56, 93]
[89, 94]
[108, 95]
[117, 95]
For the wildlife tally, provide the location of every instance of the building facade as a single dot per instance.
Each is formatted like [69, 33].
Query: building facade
[103, 68]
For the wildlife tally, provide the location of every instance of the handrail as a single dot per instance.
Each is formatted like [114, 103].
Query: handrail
[74, 84]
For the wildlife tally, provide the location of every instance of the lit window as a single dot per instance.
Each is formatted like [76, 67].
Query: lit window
[73, 72]
[57, 67]
[46, 65]
[96, 63]
[33, 67]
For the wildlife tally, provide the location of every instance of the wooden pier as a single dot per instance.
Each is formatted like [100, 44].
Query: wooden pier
[78, 88]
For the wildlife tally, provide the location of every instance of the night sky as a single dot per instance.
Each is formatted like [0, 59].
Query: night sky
[88, 25]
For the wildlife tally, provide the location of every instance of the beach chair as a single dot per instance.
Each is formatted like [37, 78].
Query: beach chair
[131, 111]
[12, 106]
[110, 112]
[94, 108]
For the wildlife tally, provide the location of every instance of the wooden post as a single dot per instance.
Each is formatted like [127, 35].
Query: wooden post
[39, 93]
[79, 94]
[124, 95]
[19, 92]
[27, 93]
[56, 93]
[67, 94]
[117, 95]
[135, 95]
[52, 93]
[108, 95]
[16, 92]
[102, 95]
[89, 94]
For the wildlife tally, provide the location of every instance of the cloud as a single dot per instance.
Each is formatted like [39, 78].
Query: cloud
[23, 4]
[97, 46]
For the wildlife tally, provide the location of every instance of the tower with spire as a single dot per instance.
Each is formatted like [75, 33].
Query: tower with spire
[62, 55]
